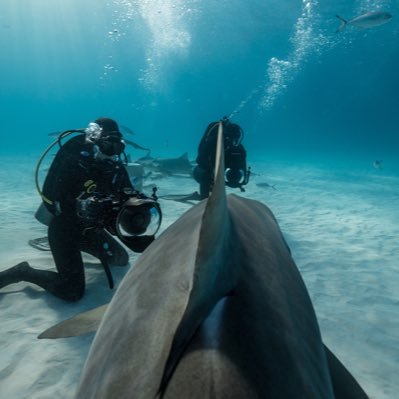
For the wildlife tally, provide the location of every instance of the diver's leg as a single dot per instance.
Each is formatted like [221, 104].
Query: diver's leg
[102, 245]
[14, 274]
[46, 279]
[204, 178]
[205, 188]
[206, 185]
[64, 238]
[68, 283]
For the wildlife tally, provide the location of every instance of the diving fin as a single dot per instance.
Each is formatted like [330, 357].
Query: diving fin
[40, 243]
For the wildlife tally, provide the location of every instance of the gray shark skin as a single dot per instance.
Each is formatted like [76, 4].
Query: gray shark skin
[180, 165]
[135, 145]
[127, 130]
[367, 20]
[214, 308]
[266, 185]
[167, 166]
[83, 323]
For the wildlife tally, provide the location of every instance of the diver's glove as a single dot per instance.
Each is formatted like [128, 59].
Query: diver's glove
[57, 208]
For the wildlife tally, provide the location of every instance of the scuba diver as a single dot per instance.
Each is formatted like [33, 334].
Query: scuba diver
[236, 171]
[87, 197]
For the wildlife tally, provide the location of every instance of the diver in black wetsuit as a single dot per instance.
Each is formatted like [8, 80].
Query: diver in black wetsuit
[236, 172]
[85, 166]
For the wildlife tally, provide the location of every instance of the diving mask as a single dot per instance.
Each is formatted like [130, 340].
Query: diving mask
[111, 145]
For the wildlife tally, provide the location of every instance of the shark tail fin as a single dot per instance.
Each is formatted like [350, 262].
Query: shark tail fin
[343, 24]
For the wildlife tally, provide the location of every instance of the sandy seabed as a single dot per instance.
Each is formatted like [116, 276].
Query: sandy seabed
[342, 224]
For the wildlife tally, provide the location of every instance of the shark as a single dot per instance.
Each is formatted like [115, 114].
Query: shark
[135, 145]
[266, 185]
[167, 166]
[366, 20]
[214, 308]
[127, 130]
[180, 165]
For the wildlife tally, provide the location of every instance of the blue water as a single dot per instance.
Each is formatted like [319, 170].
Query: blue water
[165, 68]
[304, 95]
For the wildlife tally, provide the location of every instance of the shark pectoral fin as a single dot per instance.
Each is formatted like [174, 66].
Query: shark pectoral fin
[195, 196]
[80, 324]
[344, 384]
[135, 145]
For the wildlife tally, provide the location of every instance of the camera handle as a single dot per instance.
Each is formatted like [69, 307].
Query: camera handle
[154, 193]
[106, 267]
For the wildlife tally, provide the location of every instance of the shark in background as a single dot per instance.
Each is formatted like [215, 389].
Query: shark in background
[366, 20]
[161, 167]
[214, 308]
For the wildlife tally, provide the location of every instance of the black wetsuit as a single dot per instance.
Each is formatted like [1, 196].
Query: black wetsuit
[204, 171]
[74, 171]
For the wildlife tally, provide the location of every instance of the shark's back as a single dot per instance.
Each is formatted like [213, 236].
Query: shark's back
[263, 340]
[214, 308]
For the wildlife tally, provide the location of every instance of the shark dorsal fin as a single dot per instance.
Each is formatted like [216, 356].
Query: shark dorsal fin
[215, 215]
[219, 159]
[214, 278]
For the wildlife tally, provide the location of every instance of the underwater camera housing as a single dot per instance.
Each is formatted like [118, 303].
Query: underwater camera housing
[236, 174]
[130, 215]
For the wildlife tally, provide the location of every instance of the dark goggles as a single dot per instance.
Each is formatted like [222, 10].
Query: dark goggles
[111, 145]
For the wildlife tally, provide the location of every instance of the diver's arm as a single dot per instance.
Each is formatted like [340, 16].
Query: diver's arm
[207, 146]
[56, 188]
[69, 187]
[124, 180]
[243, 158]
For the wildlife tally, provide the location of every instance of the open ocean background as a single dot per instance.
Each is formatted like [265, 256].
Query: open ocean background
[165, 68]
[317, 107]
